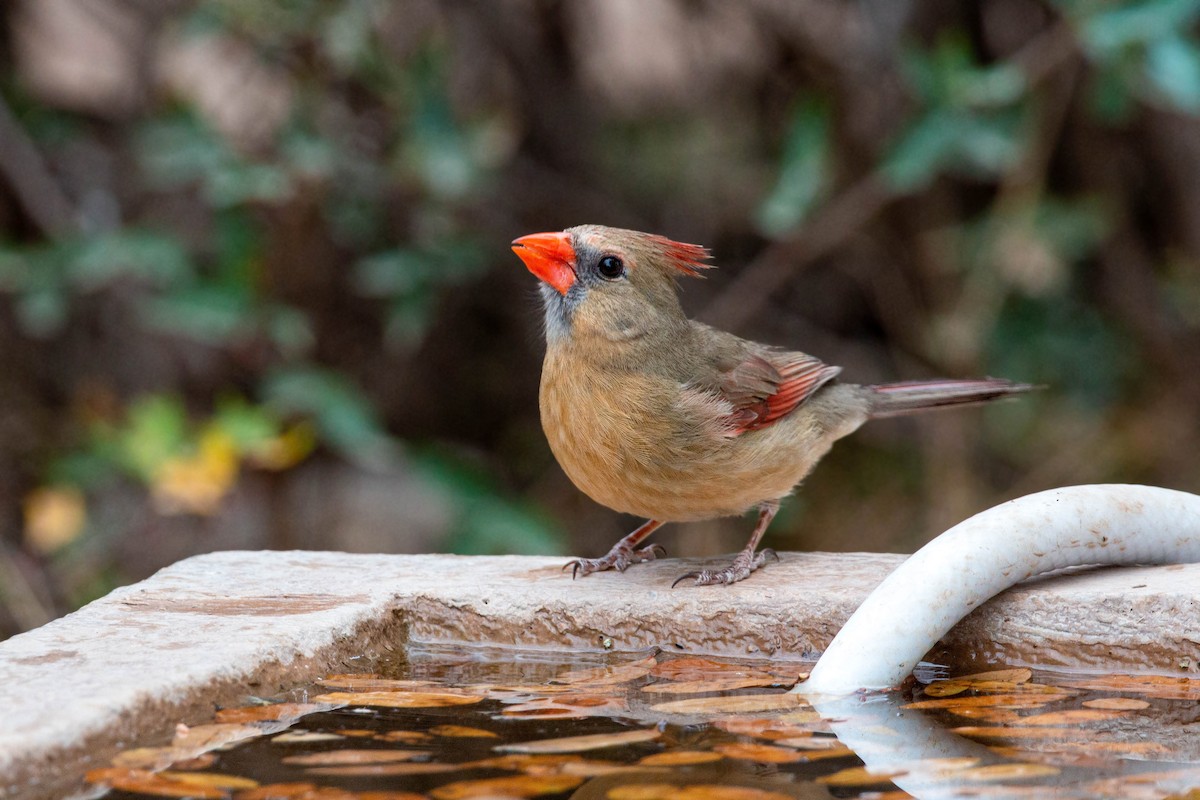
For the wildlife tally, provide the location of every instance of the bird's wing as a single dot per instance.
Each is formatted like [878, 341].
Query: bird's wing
[766, 385]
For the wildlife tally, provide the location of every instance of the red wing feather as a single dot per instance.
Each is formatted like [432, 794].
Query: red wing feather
[763, 391]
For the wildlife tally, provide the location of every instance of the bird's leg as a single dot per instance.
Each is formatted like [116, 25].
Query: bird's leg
[622, 553]
[746, 561]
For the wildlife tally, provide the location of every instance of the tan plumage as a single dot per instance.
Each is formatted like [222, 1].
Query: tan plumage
[653, 414]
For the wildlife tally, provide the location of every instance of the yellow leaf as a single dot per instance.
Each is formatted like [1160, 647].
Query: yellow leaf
[54, 517]
[285, 450]
[197, 484]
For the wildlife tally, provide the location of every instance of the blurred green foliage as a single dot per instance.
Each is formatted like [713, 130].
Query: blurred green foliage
[282, 272]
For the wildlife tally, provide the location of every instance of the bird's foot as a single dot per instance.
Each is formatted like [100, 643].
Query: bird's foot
[619, 558]
[743, 564]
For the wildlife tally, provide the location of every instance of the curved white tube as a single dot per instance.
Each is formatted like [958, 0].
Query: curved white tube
[951, 576]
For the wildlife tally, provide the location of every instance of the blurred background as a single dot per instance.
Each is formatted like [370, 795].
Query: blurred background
[256, 288]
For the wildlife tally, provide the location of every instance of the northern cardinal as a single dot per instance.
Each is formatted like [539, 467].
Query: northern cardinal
[653, 414]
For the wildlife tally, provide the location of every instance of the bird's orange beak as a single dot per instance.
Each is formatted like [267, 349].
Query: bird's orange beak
[550, 257]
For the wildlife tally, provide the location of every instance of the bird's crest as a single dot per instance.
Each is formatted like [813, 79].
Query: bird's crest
[688, 259]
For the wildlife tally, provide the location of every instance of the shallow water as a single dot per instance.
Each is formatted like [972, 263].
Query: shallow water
[451, 724]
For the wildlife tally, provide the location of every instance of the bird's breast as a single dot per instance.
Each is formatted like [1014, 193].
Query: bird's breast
[644, 444]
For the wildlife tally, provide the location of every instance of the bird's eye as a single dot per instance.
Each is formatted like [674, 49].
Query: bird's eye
[611, 267]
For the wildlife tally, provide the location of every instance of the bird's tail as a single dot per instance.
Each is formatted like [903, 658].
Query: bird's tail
[913, 397]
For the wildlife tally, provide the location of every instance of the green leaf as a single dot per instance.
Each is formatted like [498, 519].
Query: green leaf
[246, 425]
[1110, 96]
[1107, 34]
[42, 313]
[214, 315]
[344, 419]
[156, 429]
[921, 152]
[158, 259]
[804, 172]
[944, 139]
[1173, 67]
[488, 523]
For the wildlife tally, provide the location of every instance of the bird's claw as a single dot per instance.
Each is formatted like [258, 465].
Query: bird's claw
[619, 558]
[745, 563]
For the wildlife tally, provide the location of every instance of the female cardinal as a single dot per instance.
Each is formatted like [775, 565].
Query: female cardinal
[653, 414]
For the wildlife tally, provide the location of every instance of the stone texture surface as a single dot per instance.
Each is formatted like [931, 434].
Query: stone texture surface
[209, 630]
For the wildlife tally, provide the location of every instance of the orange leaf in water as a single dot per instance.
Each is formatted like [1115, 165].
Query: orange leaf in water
[1021, 733]
[1071, 716]
[955, 686]
[608, 675]
[1165, 687]
[209, 780]
[370, 683]
[998, 716]
[859, 776]
[695, 791]
[568, 706]
[147, 782]
[188, 743]
[810, 742]
[579, 744]
[1117, 703]
[699, 669]
[1005, 772]
[762, 753]
[710, 685]
[203, 761]
[679, 758]
[309, 791]
[528, 763]
[1015, 675]
[383, 770]
[407, 737]
[332, 758]
[269, 713]
[744, 703]
[462, 732]
[991, 701]
[279, 791]
[772, 727]
[512, 786]
[399, 699]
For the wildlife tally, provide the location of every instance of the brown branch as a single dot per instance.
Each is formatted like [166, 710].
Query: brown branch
[837, 221]
[36, 189]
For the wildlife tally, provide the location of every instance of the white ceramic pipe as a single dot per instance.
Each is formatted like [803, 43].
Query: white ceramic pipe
[958, 571]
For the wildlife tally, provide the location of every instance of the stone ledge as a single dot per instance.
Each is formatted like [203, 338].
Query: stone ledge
[199, 633]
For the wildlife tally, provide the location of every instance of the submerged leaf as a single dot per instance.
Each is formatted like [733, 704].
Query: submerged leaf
[398, 699]
[579, 744]
[513, 786]
[744, 703]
